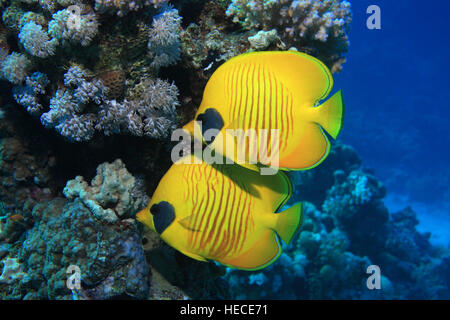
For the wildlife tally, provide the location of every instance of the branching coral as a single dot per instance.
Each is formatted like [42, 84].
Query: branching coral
[152, 112]
[317, 27]
[14, 67]
[164, 42]
[67, 106]
[37, 41]
[74, 25]
[27, 95]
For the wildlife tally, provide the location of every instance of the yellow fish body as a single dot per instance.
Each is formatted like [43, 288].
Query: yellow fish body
[224, 213]
[272, 90]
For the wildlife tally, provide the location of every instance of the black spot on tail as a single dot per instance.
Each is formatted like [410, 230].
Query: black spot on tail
[210, 119]
[163, 215]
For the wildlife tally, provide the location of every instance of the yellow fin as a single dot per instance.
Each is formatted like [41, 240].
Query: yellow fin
[313, 147]
[188, 223]
[262, 254]
[288, 222]
[331, 114]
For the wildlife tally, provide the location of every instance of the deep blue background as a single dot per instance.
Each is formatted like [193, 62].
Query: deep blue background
[396, 87]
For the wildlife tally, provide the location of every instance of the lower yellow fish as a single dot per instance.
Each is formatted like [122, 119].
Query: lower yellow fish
[224, 213]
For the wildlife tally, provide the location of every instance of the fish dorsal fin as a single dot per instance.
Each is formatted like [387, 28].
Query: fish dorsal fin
[188, 223]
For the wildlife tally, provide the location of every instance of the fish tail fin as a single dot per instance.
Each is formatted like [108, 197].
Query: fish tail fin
[189, 127]
[331, 114]
[289, 222]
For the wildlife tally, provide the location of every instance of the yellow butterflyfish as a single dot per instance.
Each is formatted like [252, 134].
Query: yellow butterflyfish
[277, 93]
[225, 213]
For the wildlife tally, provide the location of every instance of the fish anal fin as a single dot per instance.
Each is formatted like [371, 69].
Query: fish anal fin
[312, 148]
[262, 254]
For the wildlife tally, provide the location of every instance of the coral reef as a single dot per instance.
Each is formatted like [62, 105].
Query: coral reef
[111, 195]
[14, 67]
[67, 106]
[164, 42]
[12, 271]
[84, 55]
[36, 41]
[316, 27]
[152, 112]
[74, 24]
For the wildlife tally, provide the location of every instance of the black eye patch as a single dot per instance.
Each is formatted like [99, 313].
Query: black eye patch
[210, 119]
[163, 215]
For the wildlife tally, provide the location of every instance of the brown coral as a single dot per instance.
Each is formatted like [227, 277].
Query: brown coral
[115, 81]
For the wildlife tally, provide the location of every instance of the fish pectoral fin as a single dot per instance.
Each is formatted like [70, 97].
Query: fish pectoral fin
[188, 223]
[288, 222]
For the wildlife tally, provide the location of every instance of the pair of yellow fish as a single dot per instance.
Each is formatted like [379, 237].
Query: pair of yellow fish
[228, 213]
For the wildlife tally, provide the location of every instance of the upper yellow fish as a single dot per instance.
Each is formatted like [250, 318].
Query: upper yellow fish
[224, 213]
[271, 90]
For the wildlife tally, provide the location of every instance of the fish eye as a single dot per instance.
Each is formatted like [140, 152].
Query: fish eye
[154, 210]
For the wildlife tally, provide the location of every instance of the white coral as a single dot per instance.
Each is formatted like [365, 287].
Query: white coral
[73, 26]
[109, 196]
[12, 271]
[14, 67]
[37, 41]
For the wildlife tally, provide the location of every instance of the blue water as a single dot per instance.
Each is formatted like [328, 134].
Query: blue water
[396, 85]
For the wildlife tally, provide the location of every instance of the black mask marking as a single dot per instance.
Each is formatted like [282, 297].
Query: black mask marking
[210, 119]
[163, 215]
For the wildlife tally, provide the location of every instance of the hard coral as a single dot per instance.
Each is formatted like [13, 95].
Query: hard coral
[110, 256]
[110, 196]
[12, 271]
[317, 27]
